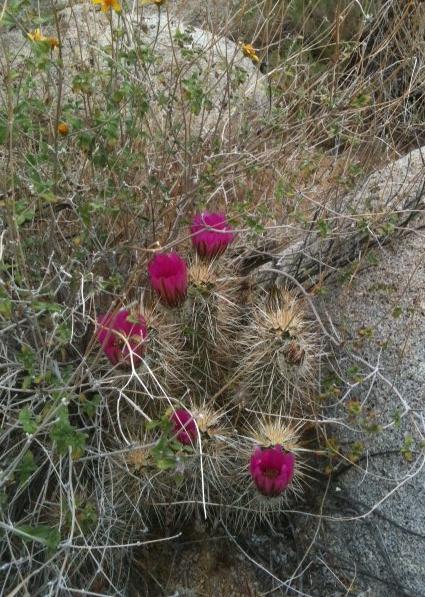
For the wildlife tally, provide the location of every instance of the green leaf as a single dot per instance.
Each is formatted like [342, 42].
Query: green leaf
[163, 454]
[26, 467]
[254, 224]
[407, 448]
[42, 534]
[397, 418]
[45, 306]
[165, 463]
[365, 332]
[27, 358]
[195, 94]
[90, 406]
[65, 436]
[26, 215]
[154, 424]
[6, 308]
[3, 134]
[27, 420]
[87, 517]
[324, 228]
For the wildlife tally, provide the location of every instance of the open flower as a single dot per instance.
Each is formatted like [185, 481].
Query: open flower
[37, 36]
[183, 427]
[211, 234]
[250, 52]
[106, 5]
[122, 337]
[168, 277]
[272, 470]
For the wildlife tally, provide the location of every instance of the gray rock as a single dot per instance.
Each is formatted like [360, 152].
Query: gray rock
[373, 527]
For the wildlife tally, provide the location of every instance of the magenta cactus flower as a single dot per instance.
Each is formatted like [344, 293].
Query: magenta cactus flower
[272, 470]
[168, 277]
[183, 427]
[122, 336]
[211, 234]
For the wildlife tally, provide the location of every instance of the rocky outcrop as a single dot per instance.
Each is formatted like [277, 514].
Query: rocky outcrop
[387, 202]
[372, 530]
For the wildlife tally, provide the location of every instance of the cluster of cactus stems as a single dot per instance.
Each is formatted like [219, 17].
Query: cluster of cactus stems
[225, 386]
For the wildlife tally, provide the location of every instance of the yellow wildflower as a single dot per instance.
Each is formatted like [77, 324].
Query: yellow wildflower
[63, 129]
[157, 2]
[36, 35]
[250, 53]
[108, 4]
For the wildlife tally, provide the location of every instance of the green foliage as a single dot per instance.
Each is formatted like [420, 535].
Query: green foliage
[89, 405]
[198, 99]
[397, 418]
[407, 448]
[65, 436]
[87, 517]
[28, 421]
[26, 467]
[389, 227]
[354, 407]
[324, 228]
[239, 77]
[331, 387]
[4, 129]
[365, 332]
[45, 535]
[355, 374]
[5, 304]
[356, 451]
[167, 451]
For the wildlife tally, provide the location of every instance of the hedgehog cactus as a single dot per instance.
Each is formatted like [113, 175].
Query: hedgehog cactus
[208, 370]
[210, 315]
[279, 353]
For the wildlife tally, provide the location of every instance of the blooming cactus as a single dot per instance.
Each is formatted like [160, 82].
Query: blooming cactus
[183, 426]
[168, 277]
[272, 470]
[211, 234]
[122, 337]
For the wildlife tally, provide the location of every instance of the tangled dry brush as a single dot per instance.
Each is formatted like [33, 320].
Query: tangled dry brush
[154, 370]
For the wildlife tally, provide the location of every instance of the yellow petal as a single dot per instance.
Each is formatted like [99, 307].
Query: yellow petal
[116, 6]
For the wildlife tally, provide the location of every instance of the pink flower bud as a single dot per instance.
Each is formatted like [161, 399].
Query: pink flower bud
[272, 470]
[211, 234]
[183, 427]
[168, 277]
[120, 336]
